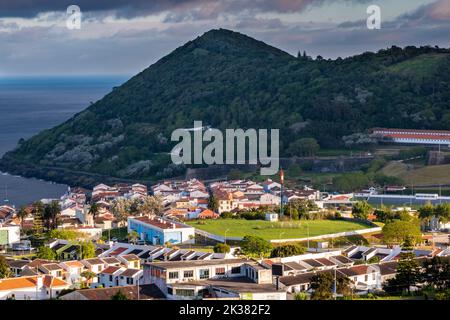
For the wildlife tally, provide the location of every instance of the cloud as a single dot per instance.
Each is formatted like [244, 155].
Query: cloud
[201, 9]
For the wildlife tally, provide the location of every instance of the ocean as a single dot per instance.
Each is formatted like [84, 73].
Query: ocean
[29, 105]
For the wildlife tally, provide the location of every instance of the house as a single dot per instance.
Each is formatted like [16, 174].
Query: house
[109, 276]
[17, 266]
[130, 261]
[95, 265]
[143, 292]
[238, 288]
[111, 262]
[31, 288]
[6, 213]
[207, 214]
[272, 217]
[72, 270]
[53, 269]
[9, 234]
[159, 231]
[437, 224]
[269, 199]
[168, 272]
[131, 277]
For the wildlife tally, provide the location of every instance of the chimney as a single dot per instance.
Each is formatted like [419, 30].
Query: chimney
[39, 281]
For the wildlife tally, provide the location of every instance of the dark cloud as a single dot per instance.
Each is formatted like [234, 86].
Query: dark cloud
[183, 9]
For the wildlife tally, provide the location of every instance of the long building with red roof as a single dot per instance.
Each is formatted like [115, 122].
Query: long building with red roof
[413, 136]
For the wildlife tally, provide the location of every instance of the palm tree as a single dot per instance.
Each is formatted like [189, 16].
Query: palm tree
[22, 214]
[88, 275]
[94, 210]
[151, 205]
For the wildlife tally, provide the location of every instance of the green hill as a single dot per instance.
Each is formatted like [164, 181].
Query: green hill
[229, 80]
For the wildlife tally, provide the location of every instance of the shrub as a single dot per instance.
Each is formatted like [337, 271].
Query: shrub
[221, 248]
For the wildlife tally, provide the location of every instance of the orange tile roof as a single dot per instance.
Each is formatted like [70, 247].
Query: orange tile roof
[17, 283]
[74, 264]
[29, 282]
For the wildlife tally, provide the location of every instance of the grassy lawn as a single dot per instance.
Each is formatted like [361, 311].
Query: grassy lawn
[419, 66]
[427, 175]
[276, 230]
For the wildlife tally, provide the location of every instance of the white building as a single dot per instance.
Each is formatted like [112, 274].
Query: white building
[31, 288]
[9, 234]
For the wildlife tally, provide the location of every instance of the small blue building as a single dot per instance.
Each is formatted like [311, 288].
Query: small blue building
[159, 231]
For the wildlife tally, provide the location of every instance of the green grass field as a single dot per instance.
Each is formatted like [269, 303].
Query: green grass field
[276, 230]
[420, 66]
[427, 175]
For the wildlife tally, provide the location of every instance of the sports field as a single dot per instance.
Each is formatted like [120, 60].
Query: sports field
[275, 230]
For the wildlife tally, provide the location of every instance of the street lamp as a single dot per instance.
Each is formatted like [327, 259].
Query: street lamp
[225, 237]
[307, 234]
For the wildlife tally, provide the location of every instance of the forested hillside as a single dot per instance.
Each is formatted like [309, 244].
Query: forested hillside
[229, 80]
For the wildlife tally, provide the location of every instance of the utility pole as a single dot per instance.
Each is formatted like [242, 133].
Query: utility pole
[335, 288]
[138, 297]
[281, 192]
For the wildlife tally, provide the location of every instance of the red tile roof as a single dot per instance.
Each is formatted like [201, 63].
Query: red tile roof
[110, 270]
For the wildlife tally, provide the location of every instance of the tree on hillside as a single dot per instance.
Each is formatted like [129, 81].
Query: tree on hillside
[426, 212]
[442, 212]
[94, 210]
[86, 250]
[121, 210]
[287, 250]
[38, 211]
[437, 273]
[361, 210]
[349, 182]
[322, 284]
[50, 215]
[46, 253]
[221, 248]
[151, 205]
[398, 232]
[88, 275]
[65, 234]
[408, 274]
[119, 295]
[304, 147]
[22, 214]
[255, 246]
[5, 271]
[384, 214]
[213, 203]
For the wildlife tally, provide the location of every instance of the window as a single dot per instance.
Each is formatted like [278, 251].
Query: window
[129, 280]
[185, 292]
[204, 273]
[188, 274]
[236, 270]
[373, 276]
[110, 278]
[173, 275]
[366, 278]
[220, 271]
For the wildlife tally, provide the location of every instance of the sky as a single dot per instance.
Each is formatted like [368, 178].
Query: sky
[119, 37]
